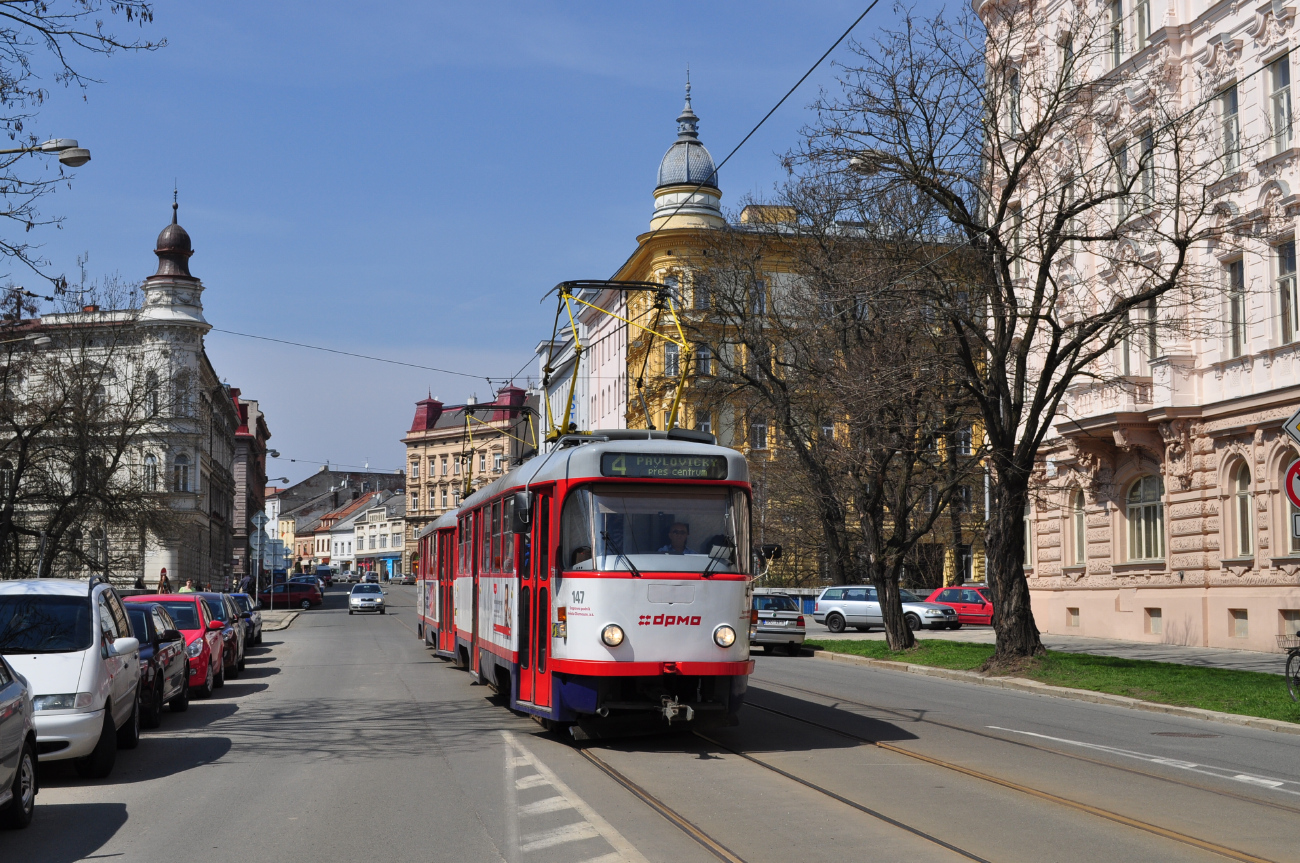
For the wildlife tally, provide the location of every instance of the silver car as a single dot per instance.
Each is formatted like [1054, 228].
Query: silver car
[858, 606]
[17, 749]
[366, 597]
[777, 621]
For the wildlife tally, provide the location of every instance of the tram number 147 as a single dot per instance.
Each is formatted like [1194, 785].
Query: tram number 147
[578, 596]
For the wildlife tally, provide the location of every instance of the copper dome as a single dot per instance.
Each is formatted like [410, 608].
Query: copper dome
[174, 250]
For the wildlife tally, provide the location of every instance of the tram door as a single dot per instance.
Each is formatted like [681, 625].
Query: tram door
[535, 634]
[476, 563]
[446, 581]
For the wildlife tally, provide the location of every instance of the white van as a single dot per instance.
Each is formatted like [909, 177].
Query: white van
[72, 640]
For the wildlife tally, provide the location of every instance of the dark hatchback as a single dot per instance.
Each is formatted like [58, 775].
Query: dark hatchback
[164, 669]
[232, 634]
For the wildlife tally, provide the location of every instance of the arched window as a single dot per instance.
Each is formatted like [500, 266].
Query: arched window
[1243, 520]
[1029, 534]
[181, 473]
[1078, 528]
[1146, 519]
[151, 400]
[150, 477]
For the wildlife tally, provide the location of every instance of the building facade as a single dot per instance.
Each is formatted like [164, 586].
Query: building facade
[380, 538]
[250, 483]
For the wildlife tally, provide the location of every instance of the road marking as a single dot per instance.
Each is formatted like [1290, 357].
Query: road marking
[1190, 766]
[560, 835]
[592, 825]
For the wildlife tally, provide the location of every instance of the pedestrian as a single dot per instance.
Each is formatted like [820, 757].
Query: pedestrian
[164, 583]
[244, 583]
[189, 586]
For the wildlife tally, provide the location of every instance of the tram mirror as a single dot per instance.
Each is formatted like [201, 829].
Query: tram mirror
[522, 519]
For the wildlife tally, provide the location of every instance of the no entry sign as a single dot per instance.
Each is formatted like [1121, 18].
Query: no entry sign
[1292, 483]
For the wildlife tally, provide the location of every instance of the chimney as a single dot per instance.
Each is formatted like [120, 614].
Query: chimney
[90, 308]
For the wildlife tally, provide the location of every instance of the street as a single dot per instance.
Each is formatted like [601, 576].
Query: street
[346, 739]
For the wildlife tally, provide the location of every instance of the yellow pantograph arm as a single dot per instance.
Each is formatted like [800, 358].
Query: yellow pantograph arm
[506, 433]
[681, 343]
[577, 364]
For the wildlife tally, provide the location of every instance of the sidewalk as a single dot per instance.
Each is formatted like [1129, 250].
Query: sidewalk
[1207, 657]
[274, 621]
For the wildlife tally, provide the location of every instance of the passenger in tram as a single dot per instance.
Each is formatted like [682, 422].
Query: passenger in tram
[677, 536]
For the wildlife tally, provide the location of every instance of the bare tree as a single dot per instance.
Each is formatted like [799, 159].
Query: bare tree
[1068, 187]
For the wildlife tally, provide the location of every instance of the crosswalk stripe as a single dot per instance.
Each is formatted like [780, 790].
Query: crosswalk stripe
[560, 835]
[548, 804]
[614, 857]
[530, 781]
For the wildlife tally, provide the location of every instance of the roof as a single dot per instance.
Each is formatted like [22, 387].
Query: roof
[47, 586]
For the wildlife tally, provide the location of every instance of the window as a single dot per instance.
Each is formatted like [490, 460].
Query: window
[181, 473]
[700, 294]
[828, 431]
[1141, 345]
[150, 478]
[758, 298]
[397, 540]
[1067, 59]
[1116, 32]
[383, 540]
[372, 541]
[962, 439]
[1142, 22]
[672, 360]
[433, 494]
[1280, 81]
[703, 360]
[151, 400]
[444, 465]
[1290, 621]
[444, 497]
[1286, 289]
[1146, 519]
[1230, 123]
[1079, 525]
[1154, 622]
[673, 286]
[704, 421]
[456, 462]
[1028, 549]
[1236, 308]
[415, 470]
[1017, 243]
[1072, 617]
[1238, 623]
[1243, 521]
[498, 461]
[758, 434]
[181, 394]
[1120, 156]
[482, 462]
[415, 500]
[1013, 103]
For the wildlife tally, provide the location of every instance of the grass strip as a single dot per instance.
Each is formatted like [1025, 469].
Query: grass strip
[1247, 693]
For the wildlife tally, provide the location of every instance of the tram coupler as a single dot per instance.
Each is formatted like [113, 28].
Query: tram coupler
[672, 708]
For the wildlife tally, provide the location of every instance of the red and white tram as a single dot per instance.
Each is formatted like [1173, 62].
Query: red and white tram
[605, 584]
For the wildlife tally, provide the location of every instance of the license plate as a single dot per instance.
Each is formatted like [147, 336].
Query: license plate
[776, 622]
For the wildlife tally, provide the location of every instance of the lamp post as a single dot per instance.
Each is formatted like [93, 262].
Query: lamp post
[69, 153]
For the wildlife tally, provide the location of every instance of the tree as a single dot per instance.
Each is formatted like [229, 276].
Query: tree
[52, 36]
[1068, 182]
[83, 418]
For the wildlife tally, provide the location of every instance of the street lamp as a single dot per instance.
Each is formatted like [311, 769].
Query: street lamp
[69, 153]
[40, 340]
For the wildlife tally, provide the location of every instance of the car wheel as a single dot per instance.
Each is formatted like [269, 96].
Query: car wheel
[181, 702]
[18, 813]
[835, 622]
[349, 611]
[306, 604]
[99, 763]
[913, 622]
[128, 736]
[383, 611]
[219, 679]
[243, 662]
[956, 625]
[152, 717]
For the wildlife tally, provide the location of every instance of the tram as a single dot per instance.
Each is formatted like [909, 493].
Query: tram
[603, 586]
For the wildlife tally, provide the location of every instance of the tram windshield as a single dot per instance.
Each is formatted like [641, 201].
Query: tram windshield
[656, 528]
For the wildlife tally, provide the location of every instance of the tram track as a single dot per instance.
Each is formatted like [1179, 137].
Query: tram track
[1037, 747]
[1115, 817]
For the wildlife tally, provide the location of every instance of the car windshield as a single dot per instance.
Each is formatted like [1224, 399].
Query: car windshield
[908, 596]
[775, 603]
[657, 528]
[367, 588]
[186, 614]
[39, 623]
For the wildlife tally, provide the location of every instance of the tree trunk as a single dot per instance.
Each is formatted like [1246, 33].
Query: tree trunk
[1013, 619]
[897, 634]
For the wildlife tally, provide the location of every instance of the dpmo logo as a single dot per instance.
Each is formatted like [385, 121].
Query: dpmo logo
[668, 620]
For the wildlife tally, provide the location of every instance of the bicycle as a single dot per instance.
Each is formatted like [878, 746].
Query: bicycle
[1291, 644]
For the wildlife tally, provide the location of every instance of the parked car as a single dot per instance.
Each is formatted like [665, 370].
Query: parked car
[164, 669]
[292, 595]
[366, 597]
[326, 576]
[18, 783]
[309, 579]
[777, 621]
[225, 610]
[251, 610]
[370, 578]
[972, 604]
[409, 578]
[841, 607]
[203, 642]
[72, 641]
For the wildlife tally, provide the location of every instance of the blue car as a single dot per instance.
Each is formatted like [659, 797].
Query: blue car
[251, 610]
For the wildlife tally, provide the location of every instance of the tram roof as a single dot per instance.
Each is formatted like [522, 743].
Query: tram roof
[581, 460]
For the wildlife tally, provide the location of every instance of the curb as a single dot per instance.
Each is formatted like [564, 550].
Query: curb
[282, 623]
[1021, 684]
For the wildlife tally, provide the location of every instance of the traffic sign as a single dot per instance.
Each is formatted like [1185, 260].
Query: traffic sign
[1292, 427]
[1292, 484]
[1295, 524]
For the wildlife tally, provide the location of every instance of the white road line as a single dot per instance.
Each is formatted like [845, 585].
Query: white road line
[560, 835]
[606, 858]
[546, 804]
[626, 851]
[532, 780]
[1191, 766]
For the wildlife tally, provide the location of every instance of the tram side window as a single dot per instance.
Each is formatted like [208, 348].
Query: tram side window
[482, 517]
[544, 536]
[507, 536]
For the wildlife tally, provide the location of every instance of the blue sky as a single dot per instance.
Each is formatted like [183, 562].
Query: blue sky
[409, 182]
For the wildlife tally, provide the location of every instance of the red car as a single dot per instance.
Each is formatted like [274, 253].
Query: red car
[972, 604]
[203, 643]
[295, 594]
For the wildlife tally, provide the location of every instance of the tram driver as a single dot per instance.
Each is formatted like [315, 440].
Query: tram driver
[678, 533]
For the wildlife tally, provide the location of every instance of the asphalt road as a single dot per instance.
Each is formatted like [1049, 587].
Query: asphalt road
[345, 739]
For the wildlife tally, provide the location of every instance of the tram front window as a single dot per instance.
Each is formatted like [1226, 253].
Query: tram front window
[656, 528]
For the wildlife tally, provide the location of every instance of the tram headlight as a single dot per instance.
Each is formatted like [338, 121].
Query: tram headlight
[612, 635]
[724, 636]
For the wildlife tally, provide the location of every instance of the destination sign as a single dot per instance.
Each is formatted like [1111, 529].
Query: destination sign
[651, 466]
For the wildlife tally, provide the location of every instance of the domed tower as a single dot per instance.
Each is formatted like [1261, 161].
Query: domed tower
[171, 295]
[687, 165]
